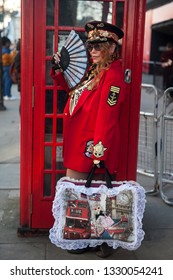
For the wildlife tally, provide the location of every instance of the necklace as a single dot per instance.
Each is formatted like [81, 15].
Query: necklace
[80, 88]
[76, 94]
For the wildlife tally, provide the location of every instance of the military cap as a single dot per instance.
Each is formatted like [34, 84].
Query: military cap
[99, 31]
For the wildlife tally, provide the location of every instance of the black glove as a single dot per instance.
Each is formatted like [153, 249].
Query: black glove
[55, 65]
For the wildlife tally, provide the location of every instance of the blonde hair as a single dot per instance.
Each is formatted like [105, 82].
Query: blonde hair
[96, 71]
[104, 64]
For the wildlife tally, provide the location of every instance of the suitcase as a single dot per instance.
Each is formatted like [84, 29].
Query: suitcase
[90, 213]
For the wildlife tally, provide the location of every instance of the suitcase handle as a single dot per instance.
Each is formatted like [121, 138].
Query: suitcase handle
[108, 178]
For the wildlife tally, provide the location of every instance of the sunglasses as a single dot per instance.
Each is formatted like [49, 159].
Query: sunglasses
[97, 47]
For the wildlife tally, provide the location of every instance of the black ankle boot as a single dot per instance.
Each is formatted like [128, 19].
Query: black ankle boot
[104, 251]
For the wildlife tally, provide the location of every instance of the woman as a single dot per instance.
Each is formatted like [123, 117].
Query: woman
[17, 66]
[91, 116]
[7, 60]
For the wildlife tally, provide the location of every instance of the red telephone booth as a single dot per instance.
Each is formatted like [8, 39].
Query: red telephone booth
[45, 27]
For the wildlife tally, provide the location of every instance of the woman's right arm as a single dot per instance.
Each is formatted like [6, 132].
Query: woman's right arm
[57, 74]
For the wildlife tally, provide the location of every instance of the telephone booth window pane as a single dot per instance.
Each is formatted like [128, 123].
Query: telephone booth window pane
[59, 176]
[120, 14]
[49, 102]
[47, 185]
[59, 148]
[62, 97]
[48, 157]
[48, 130]
[59, 158]
[59, 127]
[67, 12]
[78, 12]
[62, 37]
[49, 42]
[50, 6]
[49, 80]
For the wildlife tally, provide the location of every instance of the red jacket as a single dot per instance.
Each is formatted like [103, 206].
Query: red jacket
[92, 131]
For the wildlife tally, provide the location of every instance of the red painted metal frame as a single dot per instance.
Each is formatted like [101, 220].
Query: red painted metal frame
[33, 115]
[134, 49]
[26, 140]
[39, 204]
[132, 54]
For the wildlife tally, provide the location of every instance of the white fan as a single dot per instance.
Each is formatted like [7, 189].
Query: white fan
[73, 59]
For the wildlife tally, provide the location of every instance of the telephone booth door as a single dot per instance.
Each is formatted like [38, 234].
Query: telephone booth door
[45, 27]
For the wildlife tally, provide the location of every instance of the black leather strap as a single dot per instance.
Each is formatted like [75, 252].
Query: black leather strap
[108, 178]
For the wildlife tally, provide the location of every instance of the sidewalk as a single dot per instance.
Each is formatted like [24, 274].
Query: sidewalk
[158, 217]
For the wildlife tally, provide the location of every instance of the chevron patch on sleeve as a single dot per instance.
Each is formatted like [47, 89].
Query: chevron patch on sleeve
[113, 95]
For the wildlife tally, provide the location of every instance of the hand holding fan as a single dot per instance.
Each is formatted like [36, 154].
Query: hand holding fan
[73, 60]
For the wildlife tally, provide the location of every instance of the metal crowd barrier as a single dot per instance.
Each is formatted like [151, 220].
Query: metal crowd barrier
[148, 141]
[166, 152]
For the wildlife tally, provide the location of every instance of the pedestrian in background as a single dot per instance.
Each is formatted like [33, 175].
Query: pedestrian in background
[7, 60]
[17, 68]
[167, 65]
